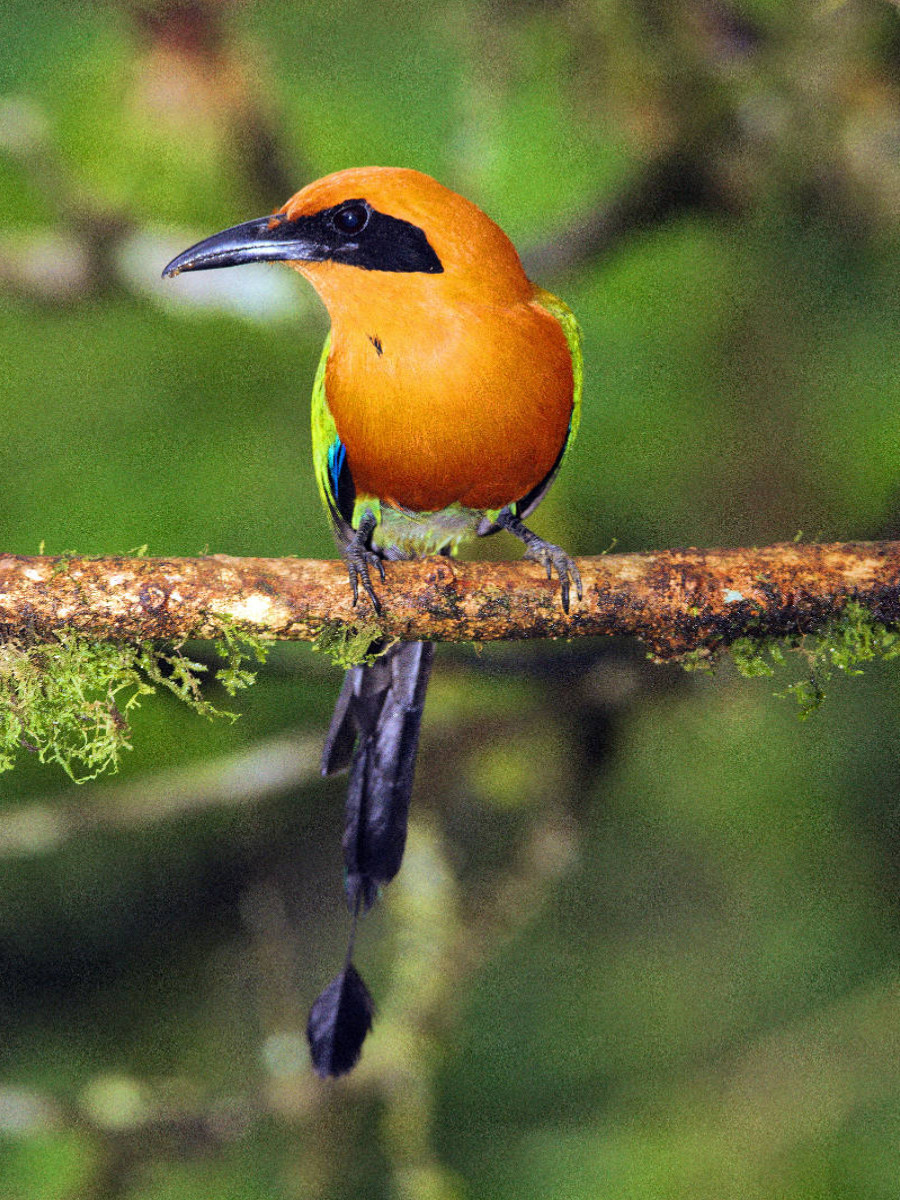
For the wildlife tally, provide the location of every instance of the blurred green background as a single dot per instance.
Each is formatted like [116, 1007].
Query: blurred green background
[645, 942]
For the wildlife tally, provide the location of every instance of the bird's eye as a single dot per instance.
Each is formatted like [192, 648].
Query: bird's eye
[351, 219]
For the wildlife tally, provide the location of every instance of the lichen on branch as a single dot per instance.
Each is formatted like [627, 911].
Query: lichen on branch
[82, 640]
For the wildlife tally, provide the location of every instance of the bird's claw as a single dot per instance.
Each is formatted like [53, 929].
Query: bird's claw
[359, 559]
[552, 557]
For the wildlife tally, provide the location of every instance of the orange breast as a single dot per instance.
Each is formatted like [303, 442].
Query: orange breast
[465, 403]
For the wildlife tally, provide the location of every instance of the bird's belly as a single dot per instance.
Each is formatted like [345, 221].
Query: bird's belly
[426, 471]
[475, 423]
[420, 533]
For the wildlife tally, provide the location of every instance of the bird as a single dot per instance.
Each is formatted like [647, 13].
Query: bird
[447, 395]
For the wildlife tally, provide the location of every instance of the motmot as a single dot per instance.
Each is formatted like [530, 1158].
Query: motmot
[447, 395]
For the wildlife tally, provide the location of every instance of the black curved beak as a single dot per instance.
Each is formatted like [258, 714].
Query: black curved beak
[266, 239]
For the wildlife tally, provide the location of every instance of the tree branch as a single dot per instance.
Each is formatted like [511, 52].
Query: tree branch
[674, 600]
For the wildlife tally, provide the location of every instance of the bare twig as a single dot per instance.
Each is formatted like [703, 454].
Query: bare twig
[674, 600]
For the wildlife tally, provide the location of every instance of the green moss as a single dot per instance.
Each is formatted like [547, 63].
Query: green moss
[701, 659]
[754, 657]
[236, 648]
[849, 640]
[351, 645]
[63, 561]
[68, 700]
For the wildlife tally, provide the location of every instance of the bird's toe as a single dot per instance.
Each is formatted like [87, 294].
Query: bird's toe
[360, 559]
[554, 558]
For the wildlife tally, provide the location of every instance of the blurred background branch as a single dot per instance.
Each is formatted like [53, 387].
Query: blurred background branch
[270, 768]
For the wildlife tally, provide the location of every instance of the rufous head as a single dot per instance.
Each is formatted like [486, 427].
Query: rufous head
[368, 225]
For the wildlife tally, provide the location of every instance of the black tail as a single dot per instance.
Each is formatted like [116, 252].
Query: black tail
[375, 732]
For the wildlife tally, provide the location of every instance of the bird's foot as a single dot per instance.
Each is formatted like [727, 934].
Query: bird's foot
[554, 558]
[550, 556]
[360, 557]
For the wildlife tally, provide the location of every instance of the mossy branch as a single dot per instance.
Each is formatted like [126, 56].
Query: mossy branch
[82, 640]
[676, 601]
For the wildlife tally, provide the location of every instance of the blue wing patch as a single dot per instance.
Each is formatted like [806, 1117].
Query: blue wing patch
[337, 456]
[343, 489]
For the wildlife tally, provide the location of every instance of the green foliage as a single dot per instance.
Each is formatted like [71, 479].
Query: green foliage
[754, 657]
[68, 700]
[701, 660]
[852, 638]
[236, 647]
[351, 645]
[50, 1164]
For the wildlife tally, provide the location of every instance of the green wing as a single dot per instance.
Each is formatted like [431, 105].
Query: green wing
[324, 433]
[333, 476]
[572, 330]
